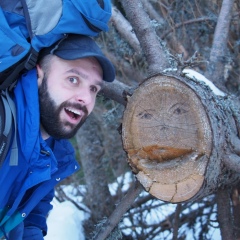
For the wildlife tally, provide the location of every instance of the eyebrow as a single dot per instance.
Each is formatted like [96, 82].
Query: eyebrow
[84, 76]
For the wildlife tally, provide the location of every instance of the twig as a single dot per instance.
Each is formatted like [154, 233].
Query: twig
[152, 12]
[176, 221]
[120, 210]
[196, 20]
[70, 200]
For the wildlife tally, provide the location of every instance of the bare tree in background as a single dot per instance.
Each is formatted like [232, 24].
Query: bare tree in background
[147, 38]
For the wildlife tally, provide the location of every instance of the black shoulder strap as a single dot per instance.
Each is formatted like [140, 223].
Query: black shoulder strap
[8, 126]
[9, 76]
[14, 148]
[33, 56]
[27, 18]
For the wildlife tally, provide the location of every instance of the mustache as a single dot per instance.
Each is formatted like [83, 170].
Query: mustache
[77, 106]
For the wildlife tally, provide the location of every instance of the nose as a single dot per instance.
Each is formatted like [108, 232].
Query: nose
[84, 97]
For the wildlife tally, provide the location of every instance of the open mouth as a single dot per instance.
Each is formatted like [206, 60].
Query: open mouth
[73, 113]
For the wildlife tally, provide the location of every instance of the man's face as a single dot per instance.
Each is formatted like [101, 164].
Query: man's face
[67, 95]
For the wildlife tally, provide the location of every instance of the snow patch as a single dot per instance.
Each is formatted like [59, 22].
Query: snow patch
[189, 73]
[65, 222]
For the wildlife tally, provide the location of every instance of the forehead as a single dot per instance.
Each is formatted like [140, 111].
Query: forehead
[92, 60]
[87, 63]
[88, 68]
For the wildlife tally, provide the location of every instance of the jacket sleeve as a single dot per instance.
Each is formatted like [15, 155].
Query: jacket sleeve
[35, 225]
[32, 233]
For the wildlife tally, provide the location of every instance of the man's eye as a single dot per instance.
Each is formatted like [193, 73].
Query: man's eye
[73, 80]
[94, 89]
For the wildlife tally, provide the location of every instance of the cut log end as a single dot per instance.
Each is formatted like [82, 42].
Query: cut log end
[176, 192]
[167, 136]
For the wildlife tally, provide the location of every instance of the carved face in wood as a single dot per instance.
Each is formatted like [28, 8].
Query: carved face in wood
[167, 136]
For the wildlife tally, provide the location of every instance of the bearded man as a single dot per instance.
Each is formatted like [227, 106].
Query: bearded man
[52, 102]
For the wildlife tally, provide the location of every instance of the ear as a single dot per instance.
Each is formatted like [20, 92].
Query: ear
[40, 74]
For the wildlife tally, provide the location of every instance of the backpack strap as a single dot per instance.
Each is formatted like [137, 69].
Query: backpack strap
[9, 118]
[33, 54]
[11, 75]
[14, 149]
[5, 128]
[27, 18]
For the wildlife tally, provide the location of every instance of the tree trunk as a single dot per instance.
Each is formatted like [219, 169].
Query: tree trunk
[225, 215]
[98, 198]
[236, 210]
[179, 134]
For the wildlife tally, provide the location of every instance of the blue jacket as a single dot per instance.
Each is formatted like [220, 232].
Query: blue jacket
[26, 190]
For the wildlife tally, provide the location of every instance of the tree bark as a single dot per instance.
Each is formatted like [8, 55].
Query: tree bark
[178, 134]
[150, 43]
[236, 210]
[125, 29]
[116, 91]
[177, 221]
[219, 47]
[224, 215]
[120, 210]
[98, 197]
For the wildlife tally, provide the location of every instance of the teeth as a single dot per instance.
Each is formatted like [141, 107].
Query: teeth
[74, 111]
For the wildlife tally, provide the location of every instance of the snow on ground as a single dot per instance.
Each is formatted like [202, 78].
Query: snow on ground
[65, 222]
[123, 181]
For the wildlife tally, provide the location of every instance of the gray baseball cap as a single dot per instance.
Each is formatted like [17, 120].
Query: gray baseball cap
[75, 46]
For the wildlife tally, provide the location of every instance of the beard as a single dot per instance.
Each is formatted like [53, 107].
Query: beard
[50, 115]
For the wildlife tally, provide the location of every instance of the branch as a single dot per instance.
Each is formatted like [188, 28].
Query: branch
[219, 46]
[236, 209]
[129, 73]
[65, 197]
[152, 12]
[232, 161]
[146, 34]
[116, 91]
[186, 218]
[125, 29]
[120, 210]
[235, 142]
[224, 215]
[196, 20]
[176, 221]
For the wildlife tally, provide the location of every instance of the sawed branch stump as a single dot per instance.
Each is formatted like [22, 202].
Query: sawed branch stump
[176, 133]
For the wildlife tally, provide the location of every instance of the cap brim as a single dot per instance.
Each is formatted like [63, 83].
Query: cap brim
[107, 66]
